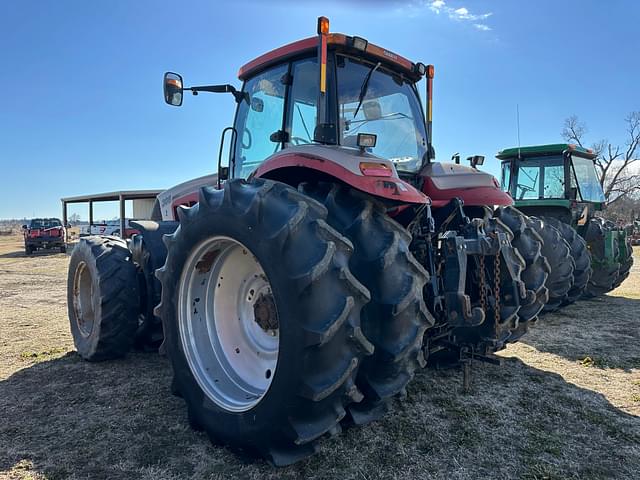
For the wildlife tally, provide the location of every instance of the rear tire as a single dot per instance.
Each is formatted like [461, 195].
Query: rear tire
[558, 253]
[149, 334]
[396, 317]
[102, 298]
[581, 259]
[529, 246]
[314, 313]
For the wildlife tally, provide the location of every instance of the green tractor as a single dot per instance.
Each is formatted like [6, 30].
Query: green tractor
[559, 185]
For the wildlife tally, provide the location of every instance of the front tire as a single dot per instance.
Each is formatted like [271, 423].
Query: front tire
[301, 295]
[626, 262]
[605, 269]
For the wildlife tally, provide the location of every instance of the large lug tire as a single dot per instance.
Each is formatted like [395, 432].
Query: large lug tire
[148, 336]
[297, 304]
[102, 298]
[626, 262]
[605, 272]
[558, 253]
[497, 333]
[396, 318]
[580, 256]
[529, 245]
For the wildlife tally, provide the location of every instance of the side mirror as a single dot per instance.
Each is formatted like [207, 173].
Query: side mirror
[573, 193]
[257, 105]
[173, 90]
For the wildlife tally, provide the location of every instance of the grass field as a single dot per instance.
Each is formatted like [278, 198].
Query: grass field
[565, 404]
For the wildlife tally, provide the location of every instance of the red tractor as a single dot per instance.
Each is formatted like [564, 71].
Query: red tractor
[331, 257]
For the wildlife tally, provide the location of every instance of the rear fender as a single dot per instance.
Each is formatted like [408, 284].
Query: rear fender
[185, 194]
[367, 173]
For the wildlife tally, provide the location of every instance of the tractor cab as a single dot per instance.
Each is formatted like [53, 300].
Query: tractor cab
[560, 177]
[333, 104]
[361, 103]
[345, 109]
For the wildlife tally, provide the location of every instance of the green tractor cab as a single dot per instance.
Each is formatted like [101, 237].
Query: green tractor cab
[559, 182]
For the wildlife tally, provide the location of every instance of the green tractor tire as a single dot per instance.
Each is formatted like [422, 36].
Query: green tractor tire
[580, 256]
[604, 249]
[558, 253]
[626, 260]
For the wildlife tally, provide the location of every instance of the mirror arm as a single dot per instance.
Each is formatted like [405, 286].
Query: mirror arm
[239, 96]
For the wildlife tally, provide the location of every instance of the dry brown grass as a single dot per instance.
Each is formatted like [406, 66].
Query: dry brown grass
[566, 404]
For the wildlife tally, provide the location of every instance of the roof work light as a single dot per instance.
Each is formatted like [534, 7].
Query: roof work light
[323, 25]
[359, 43]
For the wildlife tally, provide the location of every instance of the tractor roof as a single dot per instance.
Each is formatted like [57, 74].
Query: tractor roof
[544, 150]
[310, 44]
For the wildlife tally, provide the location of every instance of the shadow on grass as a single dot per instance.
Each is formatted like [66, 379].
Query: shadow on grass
[66, 418]
[603, 332]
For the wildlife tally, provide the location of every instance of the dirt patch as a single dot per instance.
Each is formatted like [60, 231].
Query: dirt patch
[565, 404]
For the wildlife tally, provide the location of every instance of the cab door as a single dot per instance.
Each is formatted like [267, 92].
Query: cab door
[259, 120]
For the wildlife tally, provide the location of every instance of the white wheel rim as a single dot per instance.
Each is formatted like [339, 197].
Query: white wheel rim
[228, 323]
[83, 299]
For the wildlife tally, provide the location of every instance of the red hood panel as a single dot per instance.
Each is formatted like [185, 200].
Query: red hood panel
[443, 181]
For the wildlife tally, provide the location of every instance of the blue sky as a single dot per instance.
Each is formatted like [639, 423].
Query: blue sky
[82, 108]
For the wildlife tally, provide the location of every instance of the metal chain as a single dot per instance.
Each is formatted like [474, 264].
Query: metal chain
[483, 287]
[496, 286]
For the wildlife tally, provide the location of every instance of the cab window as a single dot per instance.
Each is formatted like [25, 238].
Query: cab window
[506, 176]
[259, 117]
[303, 101]
[389, 109]
[540, 177]
[587, 179]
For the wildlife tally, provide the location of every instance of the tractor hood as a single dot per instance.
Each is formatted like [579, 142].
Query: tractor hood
[363, 171]
[444, 181]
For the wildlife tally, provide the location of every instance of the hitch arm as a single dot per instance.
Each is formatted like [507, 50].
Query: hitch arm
[457, 303]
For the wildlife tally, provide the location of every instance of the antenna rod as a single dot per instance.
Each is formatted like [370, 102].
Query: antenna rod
[518, 123]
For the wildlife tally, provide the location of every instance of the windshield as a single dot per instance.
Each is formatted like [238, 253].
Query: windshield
[39, 223]
[390, 109]
[588, 183]
[540, 177]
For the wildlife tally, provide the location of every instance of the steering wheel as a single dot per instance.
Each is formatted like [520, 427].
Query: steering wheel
[299, 141]
[525, 189]
[247, 145]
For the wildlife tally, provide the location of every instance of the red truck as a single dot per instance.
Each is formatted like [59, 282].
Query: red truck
[43, 233]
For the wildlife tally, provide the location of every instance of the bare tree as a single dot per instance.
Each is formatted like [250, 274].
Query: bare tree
[614, 163]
